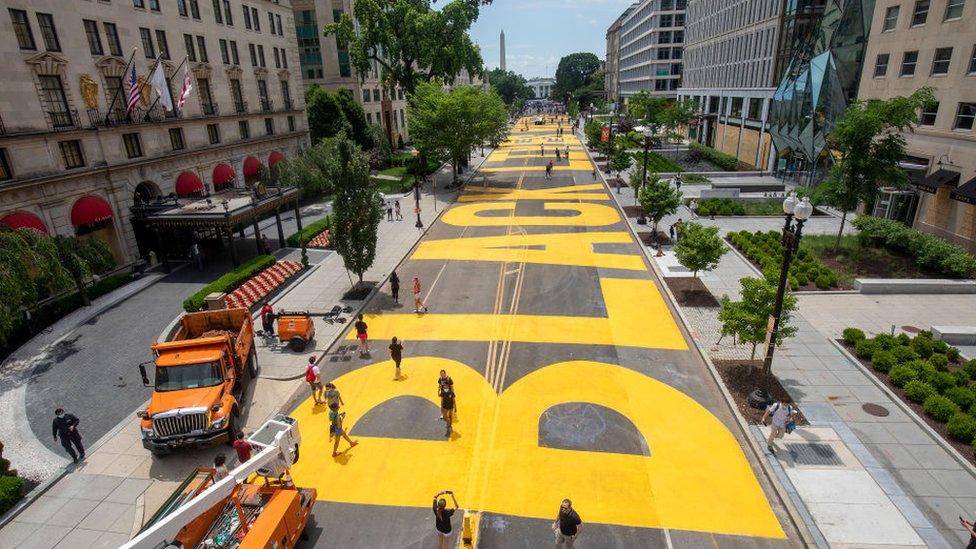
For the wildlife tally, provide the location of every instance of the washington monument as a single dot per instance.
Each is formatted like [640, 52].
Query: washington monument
[501, 40]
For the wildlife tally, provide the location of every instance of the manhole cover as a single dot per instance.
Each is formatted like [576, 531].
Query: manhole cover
[911, 329]
[875, 409]
[812, 453]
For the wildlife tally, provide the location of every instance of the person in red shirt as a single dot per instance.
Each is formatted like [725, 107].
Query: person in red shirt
[267, 318]
[243, 448]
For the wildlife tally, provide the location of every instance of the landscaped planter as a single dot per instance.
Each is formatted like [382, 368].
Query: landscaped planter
[765, 251]
[728, 207]
[262, 284]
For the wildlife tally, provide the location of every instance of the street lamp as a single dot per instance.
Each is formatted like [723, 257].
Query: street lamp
[648, 134]
[416, 198]
[800, 210]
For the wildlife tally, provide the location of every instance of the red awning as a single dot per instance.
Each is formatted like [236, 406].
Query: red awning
[223, 176]
[89, 210]
[24, 220]
[188, 183]
[251, 166]
[274, 158]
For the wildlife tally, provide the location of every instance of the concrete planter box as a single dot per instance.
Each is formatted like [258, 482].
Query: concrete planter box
[914, 286]
[955, 335]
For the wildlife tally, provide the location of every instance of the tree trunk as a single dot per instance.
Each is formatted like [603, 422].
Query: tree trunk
[360, 274]
[753, 355]
[656, 239]
[840, 233]
[80, 284]
[454, 167]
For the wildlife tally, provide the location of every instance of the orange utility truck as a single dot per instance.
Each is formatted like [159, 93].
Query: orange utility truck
[201, 374]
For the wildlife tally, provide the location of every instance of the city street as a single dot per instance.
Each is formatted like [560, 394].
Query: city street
[574, 380]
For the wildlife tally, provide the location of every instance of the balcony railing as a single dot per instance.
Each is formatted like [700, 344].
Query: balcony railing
[64, 120]
[240, 106]
[267, 105]
[210, 109]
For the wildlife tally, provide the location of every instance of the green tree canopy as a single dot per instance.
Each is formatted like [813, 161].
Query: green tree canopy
[575, 76]
[331, 113]
[870, 137]
[357, 207]
[657, 197]
[700, 248]
[509, 85]
[748, 318]
[410, 40]
[676, 114]
[646, 108]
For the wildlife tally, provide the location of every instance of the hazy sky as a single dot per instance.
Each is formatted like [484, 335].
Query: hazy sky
[539, 32]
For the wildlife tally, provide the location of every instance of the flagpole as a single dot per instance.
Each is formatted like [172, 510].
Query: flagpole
[180, 66]
[146, 80]
[119, 90]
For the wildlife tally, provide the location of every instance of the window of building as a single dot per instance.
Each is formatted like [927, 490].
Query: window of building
[48, 33]
[139, 3]
[284, 58]
[278, 21]
[71, 152]
[244, 129]
[269, 126]
[133, 147]
[940, 63]
[22, 28]
[176, 139]
[224, 52]
[291, 123]
[928, 114]
[908, 62]
[181, 7]
[113, 87]
[881, 65]
[736, 107]
[191, 50]
[228, 16]
[55, 100]
[755, 108]
[376, 94]
[972, 62]
[154, 5]
[94, 39]
[5, 172]
[369, 117]
[233, 53]
[891, 18]
[261, 55]
[263, 95]
[218, 14]
[366, 96]
[162, 43]
[206, 97]
[954, 9]
[202, 45]
[147, 44]
[247, 17]
[237, 95]
[112, 38]
[194, 9]
[271, 23]
[403, 121]
[964, 116]
[255, 20]
[921, 12]
[400, 94]
[286, 93]
[213, 133]
[276, 58]
[254, 55]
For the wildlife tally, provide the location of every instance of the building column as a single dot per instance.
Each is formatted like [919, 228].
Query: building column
[298, 216]
[230, 243]
[281, 232]
[257, 235]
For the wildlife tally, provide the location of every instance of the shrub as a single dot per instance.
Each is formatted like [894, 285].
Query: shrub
[939, 346]
[228, 282]
[929, 251]
[885, 342]
[952, 354]
[883, 361]
[918, 391]
[940, 362]
[853, 335]
[962, 427]
[309, 232]
[801, 279]
[963, 396]
[901, 375]
[11, 490]
[865, 349]
[923, 346]
[962, 378]
[940, 408]
[942, 381]
[725, 162]
[822, 282]
[903, 339]
[904, 354]
[970, 368]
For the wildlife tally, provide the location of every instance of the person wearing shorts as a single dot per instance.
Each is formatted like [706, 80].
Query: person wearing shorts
[335, 428]
[396, 354]
[332, 395]
[313, 376]
[447, 409]
[442, 518]
[417, 302]
[363, 336]
[567, 525]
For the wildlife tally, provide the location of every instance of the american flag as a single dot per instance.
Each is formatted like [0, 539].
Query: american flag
[185, 91]
[133, 89]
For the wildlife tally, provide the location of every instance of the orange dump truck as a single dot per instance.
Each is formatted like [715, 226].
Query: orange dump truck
[201, 374]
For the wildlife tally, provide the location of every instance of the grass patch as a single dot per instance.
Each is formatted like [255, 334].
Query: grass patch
[656, 163]
[309, 232]
[404, 181]
[694, 178]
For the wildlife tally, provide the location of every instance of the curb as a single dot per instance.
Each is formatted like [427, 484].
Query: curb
[965, 463]
[791, 511]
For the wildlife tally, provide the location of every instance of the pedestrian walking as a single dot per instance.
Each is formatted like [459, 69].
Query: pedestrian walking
[243, 448]
[549, 170]
[313, 376]
[335, 429]
[332, 395]
[65, 427]
[671, 232]
[267, 319]
[558, 154]
[447, 408]
[782, 416]
[444, 382]
[396, 210]
[196, 256]
[567, 526]
[396, 354]
[417, 302]
[970, 529]
[265, 244]
[679, 227]
[677, 181]
[442, 518]
[567, 153]
[693, 207]
[363, 336]
[220, 464]
[395, 287]
[389, 211]
[542, 150]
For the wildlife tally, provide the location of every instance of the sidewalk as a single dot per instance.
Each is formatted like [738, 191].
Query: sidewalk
[104, 501]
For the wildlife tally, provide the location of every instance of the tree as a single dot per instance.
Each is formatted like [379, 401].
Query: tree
[509, 86]
[870, 137]
[333, 112]
[677, 114]
[573, 109]
[574, 74]
[593, 130]
[748, 318]
[700, 248]
[357, 207]
[620, 160]
[409, 40]
[450, 124]
[646, 108]
[657, 198]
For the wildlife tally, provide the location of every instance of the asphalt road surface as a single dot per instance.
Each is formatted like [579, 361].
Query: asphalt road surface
[574, 379]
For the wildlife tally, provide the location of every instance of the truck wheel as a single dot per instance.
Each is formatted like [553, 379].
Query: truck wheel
[297, 344]
[252, 364]
[232, 426]
[296, 455]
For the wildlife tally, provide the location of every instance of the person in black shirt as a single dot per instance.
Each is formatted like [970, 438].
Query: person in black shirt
[65, 426]
[442, 518]
[363, 336]
[444, 382]
[567, 525]
[447, 409]
[396, 353]
[395, 286]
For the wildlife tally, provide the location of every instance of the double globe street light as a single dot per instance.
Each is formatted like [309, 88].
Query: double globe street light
[800, 210]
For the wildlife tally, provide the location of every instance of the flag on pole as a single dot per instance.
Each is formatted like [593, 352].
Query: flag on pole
[133, 89]
[158, 81]
[185, 91]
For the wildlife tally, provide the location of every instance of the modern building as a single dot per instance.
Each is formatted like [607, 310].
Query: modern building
[730, 69]
[74, 162]
[612, 81]
[323, 62]
[650, 48]
[501, 55]
[541, 87]
[930, 43]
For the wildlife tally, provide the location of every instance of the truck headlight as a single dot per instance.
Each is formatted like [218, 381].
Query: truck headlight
[218, 423]
[146, 433]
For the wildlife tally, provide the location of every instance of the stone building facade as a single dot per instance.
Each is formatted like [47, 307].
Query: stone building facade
[74, 162]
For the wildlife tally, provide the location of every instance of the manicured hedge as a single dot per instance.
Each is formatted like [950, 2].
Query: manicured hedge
[309, 232]
[656, 163]
[766, 250]
[229, 282]
[725, 162]
[930, 252]
[11, 490]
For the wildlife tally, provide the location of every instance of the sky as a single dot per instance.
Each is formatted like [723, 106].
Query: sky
[540, 32]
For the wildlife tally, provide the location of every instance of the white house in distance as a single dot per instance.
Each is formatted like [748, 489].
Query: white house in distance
[542, 87]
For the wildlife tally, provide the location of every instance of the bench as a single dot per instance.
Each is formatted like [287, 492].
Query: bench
[914, 286]
[955, 335]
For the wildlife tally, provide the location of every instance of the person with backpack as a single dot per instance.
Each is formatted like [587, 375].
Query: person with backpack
[442, 518]
[335, 429]
[782, 421]
[313, 376]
